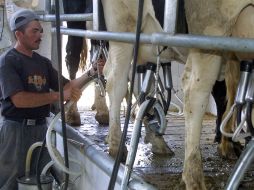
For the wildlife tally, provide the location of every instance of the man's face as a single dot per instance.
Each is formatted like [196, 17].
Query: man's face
[31, 37]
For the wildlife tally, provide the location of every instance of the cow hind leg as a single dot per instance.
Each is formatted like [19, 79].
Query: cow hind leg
[227, 148]
[116, 71]
[200, 74]
[219, 95]
[242, 28]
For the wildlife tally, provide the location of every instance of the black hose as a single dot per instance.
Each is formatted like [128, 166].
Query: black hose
[168, 101]
[248, 118]
[60, 83]
[125, 129]
[238, 113]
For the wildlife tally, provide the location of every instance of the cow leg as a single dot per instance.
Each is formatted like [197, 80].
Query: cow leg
[200, 74]
[116, 71]
[219, 95]
[242, 28]
[159, 146]
[73, 49]
[102, 114]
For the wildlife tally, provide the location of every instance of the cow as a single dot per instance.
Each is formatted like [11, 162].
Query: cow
[120, 16]
[76, 54]
[203, 67]
[216, 18]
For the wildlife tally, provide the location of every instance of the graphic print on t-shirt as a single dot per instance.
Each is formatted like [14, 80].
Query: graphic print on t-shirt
[38, 81]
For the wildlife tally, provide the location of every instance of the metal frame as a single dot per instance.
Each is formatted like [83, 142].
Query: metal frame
[164, 39]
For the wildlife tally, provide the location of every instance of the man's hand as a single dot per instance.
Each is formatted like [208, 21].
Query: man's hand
[72, 94]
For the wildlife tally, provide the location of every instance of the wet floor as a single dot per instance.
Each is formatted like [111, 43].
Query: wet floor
[164, 172]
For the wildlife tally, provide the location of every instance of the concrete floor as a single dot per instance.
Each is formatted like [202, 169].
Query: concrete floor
[164, 172]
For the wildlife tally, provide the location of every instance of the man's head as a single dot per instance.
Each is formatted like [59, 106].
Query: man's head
[21, 18]
[27, 29]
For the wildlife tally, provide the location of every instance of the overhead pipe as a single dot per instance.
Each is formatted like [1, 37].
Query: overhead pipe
[67, 17]
[164, 39]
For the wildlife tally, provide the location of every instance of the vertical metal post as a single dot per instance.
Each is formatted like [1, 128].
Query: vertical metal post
[96, 15]
[170, 16]
[47, 5]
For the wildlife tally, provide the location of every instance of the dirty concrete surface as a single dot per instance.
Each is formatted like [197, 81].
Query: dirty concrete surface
[162, 171]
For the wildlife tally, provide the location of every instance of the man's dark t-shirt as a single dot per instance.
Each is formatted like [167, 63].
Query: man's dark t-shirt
[19, 72]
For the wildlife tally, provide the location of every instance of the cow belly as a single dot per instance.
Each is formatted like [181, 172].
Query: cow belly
[202, 15]
[244, 29]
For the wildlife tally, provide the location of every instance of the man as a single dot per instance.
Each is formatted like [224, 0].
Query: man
[25, 82]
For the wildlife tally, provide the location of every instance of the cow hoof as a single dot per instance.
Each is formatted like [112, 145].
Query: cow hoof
[217, 139]
[162, 150]
[93, 107]
[230, 150]
[102, 119]
[159, 146]
[73, 119]
[181, 186]
[72, 116]
[114, 152]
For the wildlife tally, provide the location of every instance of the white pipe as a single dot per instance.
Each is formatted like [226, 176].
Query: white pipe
[49, 143]
[29, 156]
[237, 134]
[46, 167]
[135, 138]
[179, 113]
[133, 145]
[224, 122]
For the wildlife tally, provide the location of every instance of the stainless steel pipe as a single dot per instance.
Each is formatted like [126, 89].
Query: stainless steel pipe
[67, 17]
[164, 39]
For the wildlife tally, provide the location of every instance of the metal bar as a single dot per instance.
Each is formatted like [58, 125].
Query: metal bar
[96, 15]
[242, 165]
[67, 17]
[164, 39]
[170, 16]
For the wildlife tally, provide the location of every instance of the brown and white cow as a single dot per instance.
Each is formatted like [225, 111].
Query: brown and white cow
[213, 17]
[121, 16]
[216, 18]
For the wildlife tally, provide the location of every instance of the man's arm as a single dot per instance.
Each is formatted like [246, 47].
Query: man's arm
[72, 92]
[87, 76]
[25, 99]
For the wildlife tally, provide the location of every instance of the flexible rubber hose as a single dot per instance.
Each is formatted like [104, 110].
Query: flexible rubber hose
[51, 151]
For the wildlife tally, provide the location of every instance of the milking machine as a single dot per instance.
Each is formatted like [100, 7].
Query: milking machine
[243, 105]
[153, 105]
[99, 51]
[243, 100]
